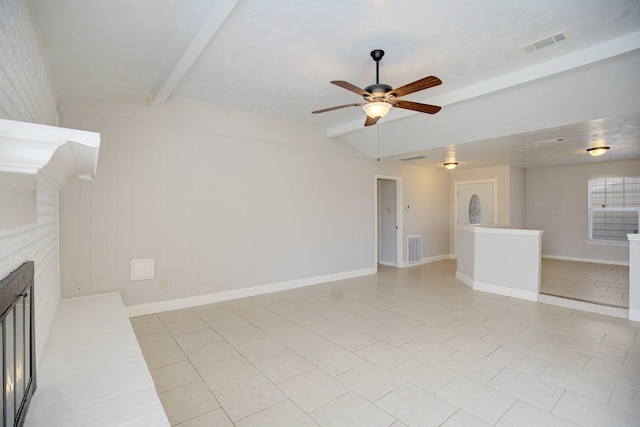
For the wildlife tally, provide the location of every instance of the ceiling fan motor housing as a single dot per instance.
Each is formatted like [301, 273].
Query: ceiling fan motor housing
[378, 91]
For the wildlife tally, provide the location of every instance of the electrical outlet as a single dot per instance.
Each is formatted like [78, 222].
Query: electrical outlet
[79, 288]
[163, 284]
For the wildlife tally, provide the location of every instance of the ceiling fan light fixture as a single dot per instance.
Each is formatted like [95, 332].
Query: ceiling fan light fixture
[380, 98]
[597, 151]
[377, 109]
[450, 165]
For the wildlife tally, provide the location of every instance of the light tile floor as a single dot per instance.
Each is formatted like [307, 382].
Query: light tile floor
[404, 347]
[602, 284]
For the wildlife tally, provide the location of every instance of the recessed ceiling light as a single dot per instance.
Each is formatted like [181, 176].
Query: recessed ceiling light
[597, 151]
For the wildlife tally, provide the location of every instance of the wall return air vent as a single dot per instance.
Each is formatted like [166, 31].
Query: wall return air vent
[414, 249]
[544, 42]
[408, 159]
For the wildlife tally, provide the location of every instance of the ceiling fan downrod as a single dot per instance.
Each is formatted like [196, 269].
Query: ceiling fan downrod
[377, 91]
[377, 55]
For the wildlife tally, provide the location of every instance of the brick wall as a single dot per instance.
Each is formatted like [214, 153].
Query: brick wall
[26, 95]
[25, 92]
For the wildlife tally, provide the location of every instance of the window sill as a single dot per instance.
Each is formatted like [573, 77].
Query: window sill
[607, 242]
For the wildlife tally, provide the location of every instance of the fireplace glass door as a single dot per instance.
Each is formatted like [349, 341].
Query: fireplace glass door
[18, 350]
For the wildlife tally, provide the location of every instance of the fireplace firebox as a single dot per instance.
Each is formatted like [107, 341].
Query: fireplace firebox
[17, 356]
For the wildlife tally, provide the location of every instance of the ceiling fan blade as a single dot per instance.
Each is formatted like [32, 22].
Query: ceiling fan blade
[370, 121]
[416, 106]
[337, 108]
[349, 86]
[421, 84]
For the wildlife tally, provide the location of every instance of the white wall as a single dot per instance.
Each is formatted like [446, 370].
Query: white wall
[508, 259]
[25, 92]
[517, 197]
[634, 277]
[26, 95]
[557, 202]
[499, 260]
[426, 190]
[222, 201]
[465, 254]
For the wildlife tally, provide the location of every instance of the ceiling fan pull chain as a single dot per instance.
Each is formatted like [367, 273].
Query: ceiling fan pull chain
[378, 129]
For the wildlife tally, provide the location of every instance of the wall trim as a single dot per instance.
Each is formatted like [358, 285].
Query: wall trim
[597, 261]
[508, 292]
[176, 304]
[427, 260]
[388, 264]
[517, 231]
[634, 314]
[464, 279]
[495, 289]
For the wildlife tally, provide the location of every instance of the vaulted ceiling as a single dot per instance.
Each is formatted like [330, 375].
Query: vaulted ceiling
[501, 104]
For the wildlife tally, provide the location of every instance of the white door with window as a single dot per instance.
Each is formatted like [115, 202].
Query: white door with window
[476, 203]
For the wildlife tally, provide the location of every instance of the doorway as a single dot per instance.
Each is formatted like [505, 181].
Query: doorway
[389, 221]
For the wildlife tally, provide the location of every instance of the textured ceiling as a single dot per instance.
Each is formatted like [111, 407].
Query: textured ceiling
[276, 57]
[559, 146]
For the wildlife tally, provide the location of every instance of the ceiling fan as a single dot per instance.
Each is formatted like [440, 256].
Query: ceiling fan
[380, 98]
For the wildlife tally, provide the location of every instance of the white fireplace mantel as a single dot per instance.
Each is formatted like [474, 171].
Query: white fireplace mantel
[54, 152]
[33, 156]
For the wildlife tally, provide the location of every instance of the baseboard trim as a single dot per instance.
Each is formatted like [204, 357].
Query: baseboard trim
[634, 315]
[597, 261]
[507, 292]
[387, 264]
[464, 279]
[181, 303]
[428, 260]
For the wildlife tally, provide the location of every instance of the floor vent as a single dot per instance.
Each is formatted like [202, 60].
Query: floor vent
[414, 249]
[544, 42]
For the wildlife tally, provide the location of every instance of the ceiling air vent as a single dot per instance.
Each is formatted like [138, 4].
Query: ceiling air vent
[544, 42]
[408, 159]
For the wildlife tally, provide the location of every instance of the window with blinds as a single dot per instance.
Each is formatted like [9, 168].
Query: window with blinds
[614, 207]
